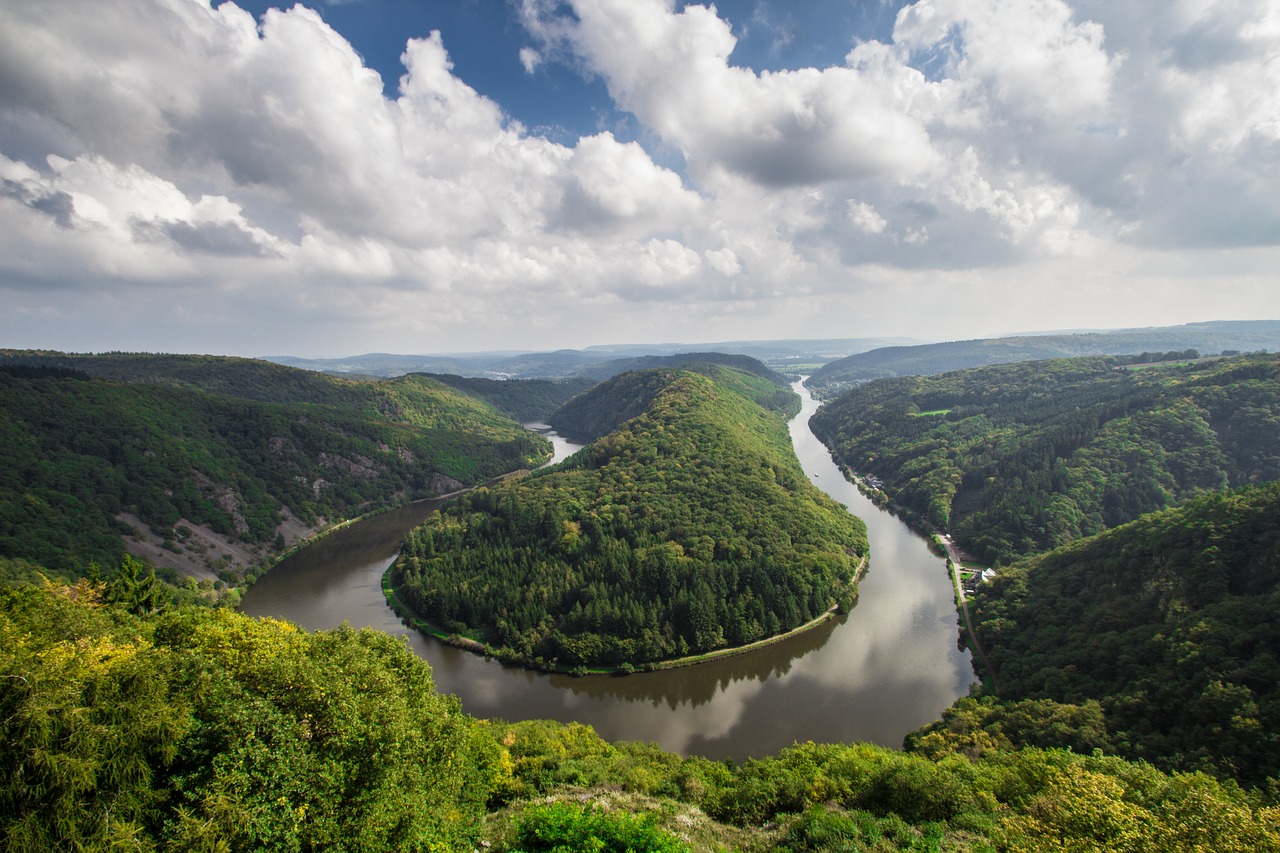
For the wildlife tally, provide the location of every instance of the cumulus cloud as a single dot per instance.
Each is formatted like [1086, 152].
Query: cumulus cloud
[1032, 58]
[156, 102]
[672, 71]
[865, 217]
[1057, 123]
[612, 182]
[255, 169]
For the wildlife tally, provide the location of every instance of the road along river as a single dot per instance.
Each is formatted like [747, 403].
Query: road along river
[888, 667]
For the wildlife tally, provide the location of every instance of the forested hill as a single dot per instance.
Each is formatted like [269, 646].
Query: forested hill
[91, 468]
[1168, 621]
[700, 362]
[611, 403]
[247, 378]
[524, 400]
[688, 528]
[1021, 458]
[1210, 338]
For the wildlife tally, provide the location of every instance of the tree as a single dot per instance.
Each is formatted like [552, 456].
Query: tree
[136, 589]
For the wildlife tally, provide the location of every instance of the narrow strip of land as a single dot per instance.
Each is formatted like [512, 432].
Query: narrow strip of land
[954, 562]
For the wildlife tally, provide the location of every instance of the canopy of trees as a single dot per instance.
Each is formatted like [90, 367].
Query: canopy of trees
[688, 527]
[195, 730]
[524, 400]
[1167, 624]
[227, 443]
[590, 416]
[1021, 458]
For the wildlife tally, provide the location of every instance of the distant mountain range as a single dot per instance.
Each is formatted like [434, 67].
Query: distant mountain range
[1210, 338]
[834, 363]
[596, 362]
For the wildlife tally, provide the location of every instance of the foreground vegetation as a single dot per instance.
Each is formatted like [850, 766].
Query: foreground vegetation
[196, 729]
[687, 527]
[1019, 459]
[173, 442]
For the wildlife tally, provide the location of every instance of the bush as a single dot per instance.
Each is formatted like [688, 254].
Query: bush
[567, 828]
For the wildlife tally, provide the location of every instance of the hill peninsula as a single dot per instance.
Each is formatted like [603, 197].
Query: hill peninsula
[686, 527]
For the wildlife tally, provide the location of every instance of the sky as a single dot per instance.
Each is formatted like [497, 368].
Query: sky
[421, 176]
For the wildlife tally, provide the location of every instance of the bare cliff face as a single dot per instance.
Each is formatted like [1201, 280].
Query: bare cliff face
[200, 552]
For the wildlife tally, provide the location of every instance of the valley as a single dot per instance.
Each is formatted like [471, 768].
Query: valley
[1167, 472]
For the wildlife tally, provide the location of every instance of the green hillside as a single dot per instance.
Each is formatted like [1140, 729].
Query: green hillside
[590, 416]
[231, 445]
[688, 527]
[1210, 338]
[245, 378]
[201, 730]
[1021, 458]
[523, 400]
[1169, 622]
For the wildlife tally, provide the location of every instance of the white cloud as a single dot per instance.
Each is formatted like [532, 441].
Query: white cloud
[613, 182]
[724, 261]
[257, 173]
[530, 59]
[778, 128]
[1031, 57]
[865, 217]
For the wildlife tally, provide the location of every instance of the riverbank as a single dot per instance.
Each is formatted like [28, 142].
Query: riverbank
[991, 679]
[330, 529]
[412, 620]
[954, 560]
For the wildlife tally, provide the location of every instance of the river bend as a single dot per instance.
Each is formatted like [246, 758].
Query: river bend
[893, 664]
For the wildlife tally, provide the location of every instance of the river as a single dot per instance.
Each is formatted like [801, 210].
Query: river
[892, 665]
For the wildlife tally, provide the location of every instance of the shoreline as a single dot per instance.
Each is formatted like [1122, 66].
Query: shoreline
[949, 553]
[412, 620]
[330, 529]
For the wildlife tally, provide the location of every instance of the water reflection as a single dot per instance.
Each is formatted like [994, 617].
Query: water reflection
[889, 667]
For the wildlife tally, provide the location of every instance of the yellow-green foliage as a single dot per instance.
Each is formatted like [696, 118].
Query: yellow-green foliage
[832, 797]
[203, 729]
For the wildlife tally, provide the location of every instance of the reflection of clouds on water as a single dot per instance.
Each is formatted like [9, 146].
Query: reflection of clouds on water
[889, 667]
[652, 721]
[694, 686]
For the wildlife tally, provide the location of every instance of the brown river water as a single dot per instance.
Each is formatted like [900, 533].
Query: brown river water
[892, 665]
